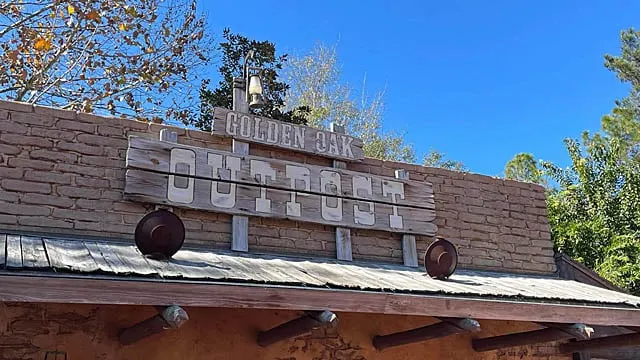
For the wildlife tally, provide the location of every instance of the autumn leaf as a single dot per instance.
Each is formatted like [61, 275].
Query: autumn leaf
[70, 9]
[42, 44]
[93, 15]
[122, 27]
[13, 55]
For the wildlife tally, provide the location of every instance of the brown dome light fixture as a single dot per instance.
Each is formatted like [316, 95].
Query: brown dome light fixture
[440, 259]
[160, 234]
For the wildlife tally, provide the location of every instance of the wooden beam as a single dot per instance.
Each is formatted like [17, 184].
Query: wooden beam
[296, 327]
[518, 339]
[239, 223]
[446, 327]
[67, 289]
[606, 342]
[343, 234]
[409, 251]
[577, 331]
[171, 317]
[553, 333]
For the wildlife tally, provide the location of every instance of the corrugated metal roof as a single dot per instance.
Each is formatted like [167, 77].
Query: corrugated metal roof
[25, 253]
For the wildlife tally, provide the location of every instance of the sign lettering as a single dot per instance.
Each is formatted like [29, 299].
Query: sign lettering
[180, 175]
[248, 127]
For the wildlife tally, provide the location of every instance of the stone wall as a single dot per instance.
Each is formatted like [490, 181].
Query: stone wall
[30, 331]
[63, 172]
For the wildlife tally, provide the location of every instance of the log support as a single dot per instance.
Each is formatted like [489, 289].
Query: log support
[446, 327]
[552, 333]
[606, 342]
[171, 317]
[298, 326]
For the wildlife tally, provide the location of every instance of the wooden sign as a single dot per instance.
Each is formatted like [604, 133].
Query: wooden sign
[185, 176]
[252, 128]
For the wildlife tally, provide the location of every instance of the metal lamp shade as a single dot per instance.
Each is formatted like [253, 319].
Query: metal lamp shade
[440, 259]
[160, 234]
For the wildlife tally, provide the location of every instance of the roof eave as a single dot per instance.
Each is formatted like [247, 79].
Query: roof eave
[40, 288]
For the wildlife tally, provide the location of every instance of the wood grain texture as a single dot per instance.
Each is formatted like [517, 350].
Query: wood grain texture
[69, 255]
[240, 233]
[84, 290]
[409, 251]
[343, 244]
[3, 250]
[251, 128]
[343, 235]
[152, 187]
[155, 156]
[14, 252]
[33, 253]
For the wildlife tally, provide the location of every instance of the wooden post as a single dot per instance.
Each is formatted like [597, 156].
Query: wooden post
[409, 251]
[624, 340]
[169, 136]
[343, 235]
[240, 224]
[447, 326]
[296, 327]
[171, 317]
[558, 332]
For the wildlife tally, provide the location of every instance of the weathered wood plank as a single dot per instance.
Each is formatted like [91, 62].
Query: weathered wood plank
[125, 259]
[239, 223]
[343, 235]
[33, 253]
[3, 250]
[157, 156]
[14, 252]
[69, 255]
[256, 129]
[409, 251]
[152, 187]
[59, 289]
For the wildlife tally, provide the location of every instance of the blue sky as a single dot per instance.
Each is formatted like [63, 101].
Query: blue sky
[477, 80]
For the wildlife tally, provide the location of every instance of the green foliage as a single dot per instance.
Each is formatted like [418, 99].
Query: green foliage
[111, 56]
[624, 121]
[621, 264]
[233, 51]
[524, 167]
[594, 212]
[437, 159]
[597, 205]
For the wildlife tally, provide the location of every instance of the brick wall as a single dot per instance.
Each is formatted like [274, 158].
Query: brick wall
[63, 172]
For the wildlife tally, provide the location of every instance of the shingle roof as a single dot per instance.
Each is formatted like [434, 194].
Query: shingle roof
[85, 256]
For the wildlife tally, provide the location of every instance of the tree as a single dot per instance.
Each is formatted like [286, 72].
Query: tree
[437, 159]
[234, 49]
[315, 84]
[624, 121]
[595, 212]
[524, 167]
[135, 57]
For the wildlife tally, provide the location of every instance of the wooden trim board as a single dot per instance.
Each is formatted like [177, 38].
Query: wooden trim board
[94, 290]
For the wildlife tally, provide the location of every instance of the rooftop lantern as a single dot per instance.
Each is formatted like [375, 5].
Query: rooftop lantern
[253, 78]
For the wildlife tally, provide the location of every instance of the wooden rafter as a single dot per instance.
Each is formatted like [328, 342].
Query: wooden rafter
[171, 317]
[446, 327]
[298, 326]
[554, 333]
[92, 290]
[606, 342]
